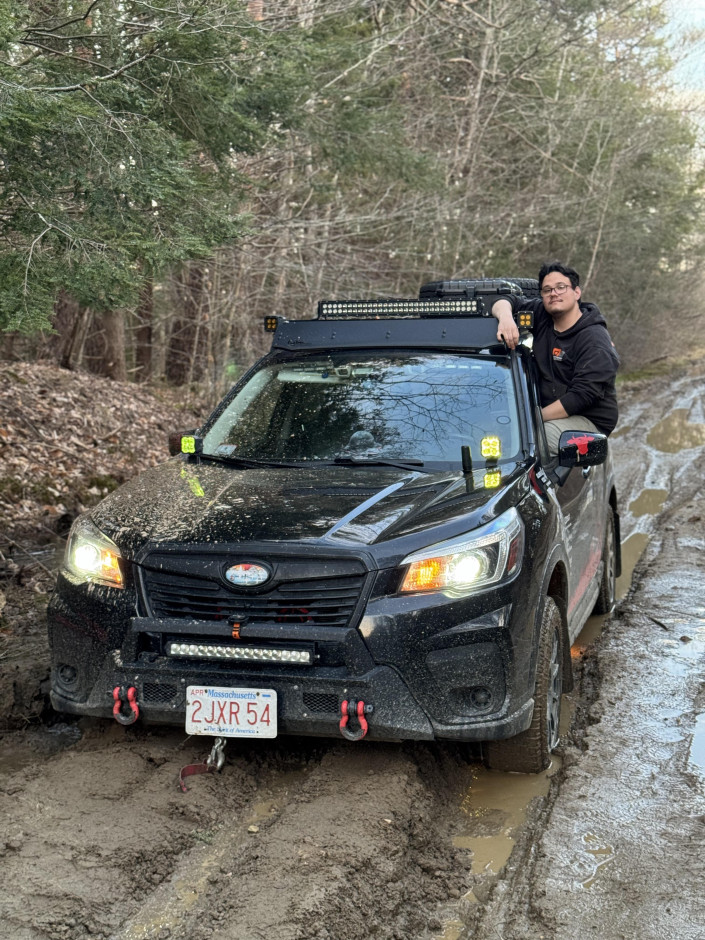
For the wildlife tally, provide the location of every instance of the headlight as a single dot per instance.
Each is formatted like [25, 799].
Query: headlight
[91, 556]
[466, 564]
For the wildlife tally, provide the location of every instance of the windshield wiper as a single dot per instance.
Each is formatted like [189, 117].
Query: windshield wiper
[249, 462]
[410, 463]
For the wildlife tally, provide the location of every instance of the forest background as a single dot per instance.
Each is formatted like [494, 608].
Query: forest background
[172, 172]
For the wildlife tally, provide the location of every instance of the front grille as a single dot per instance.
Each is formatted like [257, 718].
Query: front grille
[326, 602]
[321, 702]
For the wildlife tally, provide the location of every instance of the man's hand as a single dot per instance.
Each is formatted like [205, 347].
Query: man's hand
[507, 330]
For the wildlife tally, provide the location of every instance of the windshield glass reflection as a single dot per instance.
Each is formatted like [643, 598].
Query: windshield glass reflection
[418, 406]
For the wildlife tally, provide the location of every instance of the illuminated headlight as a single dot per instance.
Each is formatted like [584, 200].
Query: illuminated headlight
[467, 564]
[92, 556]
[250, 654]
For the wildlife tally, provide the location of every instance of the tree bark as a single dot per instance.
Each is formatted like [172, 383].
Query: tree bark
[72, 322]
[114, 365]
[104, 348]
[188, 342]
[143, 333]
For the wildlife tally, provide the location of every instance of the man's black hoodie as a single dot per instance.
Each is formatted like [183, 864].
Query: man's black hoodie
[577, 366]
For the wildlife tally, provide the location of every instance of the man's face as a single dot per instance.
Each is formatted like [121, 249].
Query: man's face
[562, 298]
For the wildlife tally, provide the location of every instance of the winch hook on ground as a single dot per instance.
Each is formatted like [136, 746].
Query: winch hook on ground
[211, 765]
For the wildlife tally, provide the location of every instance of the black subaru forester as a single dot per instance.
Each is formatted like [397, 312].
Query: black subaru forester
[367, 537]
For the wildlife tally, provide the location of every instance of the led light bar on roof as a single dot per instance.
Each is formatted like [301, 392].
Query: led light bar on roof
[249, 654]
[390, 309]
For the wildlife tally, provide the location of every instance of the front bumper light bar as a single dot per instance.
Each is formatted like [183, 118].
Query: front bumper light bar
[239, 653]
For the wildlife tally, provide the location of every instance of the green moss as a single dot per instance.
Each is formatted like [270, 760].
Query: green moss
[40, 490]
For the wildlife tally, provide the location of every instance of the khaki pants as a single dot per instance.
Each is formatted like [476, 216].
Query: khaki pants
[554, 429]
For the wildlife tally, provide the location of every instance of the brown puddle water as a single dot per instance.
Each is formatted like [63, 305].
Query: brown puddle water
[648, 503]
[632, 550]
[494, 805]
[674, 433]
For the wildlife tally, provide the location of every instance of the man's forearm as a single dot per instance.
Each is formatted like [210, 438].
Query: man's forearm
[507, 330]
[554, 411]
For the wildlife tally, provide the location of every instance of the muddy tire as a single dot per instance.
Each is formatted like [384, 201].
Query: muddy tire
[530, 751]
[605, 599]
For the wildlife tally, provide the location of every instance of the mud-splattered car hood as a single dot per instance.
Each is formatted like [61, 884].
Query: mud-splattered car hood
[184, 501]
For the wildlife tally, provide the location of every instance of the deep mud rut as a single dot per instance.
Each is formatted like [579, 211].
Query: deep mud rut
[306, 839]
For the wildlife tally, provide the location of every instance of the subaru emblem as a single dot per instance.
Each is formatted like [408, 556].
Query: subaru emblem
[247, 575]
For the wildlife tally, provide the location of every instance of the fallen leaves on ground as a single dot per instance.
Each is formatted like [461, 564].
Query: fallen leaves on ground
[68, 438]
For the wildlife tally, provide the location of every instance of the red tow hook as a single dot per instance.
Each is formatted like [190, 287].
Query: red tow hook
[124, 696]
[354, 708]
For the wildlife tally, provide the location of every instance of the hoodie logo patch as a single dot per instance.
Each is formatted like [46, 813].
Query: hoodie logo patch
[558, 354]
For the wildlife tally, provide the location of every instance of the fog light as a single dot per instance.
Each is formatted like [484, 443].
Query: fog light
[480, 697]
[67, 674]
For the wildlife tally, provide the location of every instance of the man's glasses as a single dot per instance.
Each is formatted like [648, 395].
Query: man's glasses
[558, 289]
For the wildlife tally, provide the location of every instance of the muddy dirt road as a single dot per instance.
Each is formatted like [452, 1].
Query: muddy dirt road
[306, 840]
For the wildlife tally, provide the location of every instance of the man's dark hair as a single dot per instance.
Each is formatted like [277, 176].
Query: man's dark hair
[551, 266]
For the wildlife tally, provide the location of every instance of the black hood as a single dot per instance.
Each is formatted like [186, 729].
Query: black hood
[187, 501]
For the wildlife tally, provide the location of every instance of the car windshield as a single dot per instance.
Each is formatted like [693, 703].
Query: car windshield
[369, 406]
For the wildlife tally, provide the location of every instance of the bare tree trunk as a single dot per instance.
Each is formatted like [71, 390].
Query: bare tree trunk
[7, 344]
[606, 204]
[188, 340]
[114, 365]
[104, 347]
[71, 348]
[143, 333]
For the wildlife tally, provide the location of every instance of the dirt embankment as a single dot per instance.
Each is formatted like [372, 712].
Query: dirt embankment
[66, 440]
[308, 840]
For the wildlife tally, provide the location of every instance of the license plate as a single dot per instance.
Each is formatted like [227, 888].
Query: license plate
[231, 713]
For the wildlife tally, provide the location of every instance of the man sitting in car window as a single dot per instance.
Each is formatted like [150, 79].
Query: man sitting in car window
[576, 358]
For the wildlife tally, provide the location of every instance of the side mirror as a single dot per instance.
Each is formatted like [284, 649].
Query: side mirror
[174, 441]
[582, 449]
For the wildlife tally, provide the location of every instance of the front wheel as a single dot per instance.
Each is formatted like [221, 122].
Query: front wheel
[530, 751]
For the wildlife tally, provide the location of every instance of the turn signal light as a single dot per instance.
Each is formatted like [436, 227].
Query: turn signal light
[427, 575]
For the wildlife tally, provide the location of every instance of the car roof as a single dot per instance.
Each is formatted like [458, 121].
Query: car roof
[463, 334]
